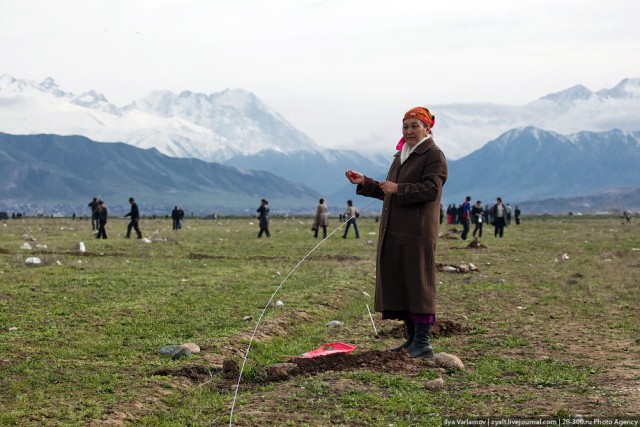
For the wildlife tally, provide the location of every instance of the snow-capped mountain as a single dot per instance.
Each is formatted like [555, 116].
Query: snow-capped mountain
[533, 164]
[212, 127]
[463, 128]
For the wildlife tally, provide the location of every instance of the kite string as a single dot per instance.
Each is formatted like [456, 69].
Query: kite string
[255, 330]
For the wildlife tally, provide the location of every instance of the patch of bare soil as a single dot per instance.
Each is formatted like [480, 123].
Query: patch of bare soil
[195, 374]
[476, 244]
[374, 360]
[443, 328]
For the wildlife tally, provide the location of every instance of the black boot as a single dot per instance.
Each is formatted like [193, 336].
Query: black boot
[421, 345]
[410, 330]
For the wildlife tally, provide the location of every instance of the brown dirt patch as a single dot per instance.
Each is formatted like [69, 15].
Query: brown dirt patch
[195, 374]
[376, 360]
[442, 328]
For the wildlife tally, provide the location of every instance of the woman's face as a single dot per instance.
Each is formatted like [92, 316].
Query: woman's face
[413, 131]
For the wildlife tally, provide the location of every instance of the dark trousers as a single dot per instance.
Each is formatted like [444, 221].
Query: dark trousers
[478, 229]
[94, 223]
[264, 230]
[134, 224]
[175, 224]
[465, 228]
[500, 223]
[324, 232]
[102, 233]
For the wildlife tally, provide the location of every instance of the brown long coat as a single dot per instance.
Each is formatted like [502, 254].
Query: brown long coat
[409, 226]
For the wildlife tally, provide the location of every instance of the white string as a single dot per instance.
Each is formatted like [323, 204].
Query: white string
[246, 355]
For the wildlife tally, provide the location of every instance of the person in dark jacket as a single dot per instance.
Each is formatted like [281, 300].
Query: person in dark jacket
[263, 216]
[465, 218]
[175, 216]
[134, 213]
[499, 217]
[409, 227]
[94, 213]
[102, 220]
[477, 215]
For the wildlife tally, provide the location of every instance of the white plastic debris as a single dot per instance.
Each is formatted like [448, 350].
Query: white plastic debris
[33, 260]
[279, 304]
[81, 247]
[41, 246]
[247, 318]
[145, 240]
[58, 262]
[366, 294]
[449, 268]
[13, 328]
[26, 246]
[334, 323]
[565, 256]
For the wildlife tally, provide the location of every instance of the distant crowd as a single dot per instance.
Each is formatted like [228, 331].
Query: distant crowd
[498, 215]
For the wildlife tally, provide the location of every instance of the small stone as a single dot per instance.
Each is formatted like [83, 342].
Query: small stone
[81, 247]
[472, 267]
[25, 246]
[448, 361]
[565, 256]
[193, 347]
[146, 240]
[247, 318]
[464, 268]
[434, 385]
[279, 304]
[13, 328]
[180, 353]
[449, 268]
[333, 324]
[33, 260]
[500, 281]
[167, 350]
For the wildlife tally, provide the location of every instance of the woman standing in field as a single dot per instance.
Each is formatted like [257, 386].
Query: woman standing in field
[321, 219]
[409, 226]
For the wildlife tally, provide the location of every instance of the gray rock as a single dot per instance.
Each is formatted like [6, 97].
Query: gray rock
[180, 353]
[167, 350]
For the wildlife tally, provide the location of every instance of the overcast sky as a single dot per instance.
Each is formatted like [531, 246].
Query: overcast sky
[340, 70]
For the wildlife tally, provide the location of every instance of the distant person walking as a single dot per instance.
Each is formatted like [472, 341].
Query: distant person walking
[180, 217]
[466, 217]
[508, 208]
[499, 217]
[263, 216]
[321, 219]
[477, 215]
[102, 220]
[134, 213]
[517, 213]
[94, 213]
[352, 214]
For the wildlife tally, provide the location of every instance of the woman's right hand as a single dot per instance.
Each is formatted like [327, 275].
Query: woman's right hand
[354, 177]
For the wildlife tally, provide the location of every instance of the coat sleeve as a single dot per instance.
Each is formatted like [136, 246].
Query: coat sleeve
[434, 175]
[370, 188]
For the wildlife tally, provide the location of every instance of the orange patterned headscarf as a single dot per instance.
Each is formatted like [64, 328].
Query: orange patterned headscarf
[420, 113]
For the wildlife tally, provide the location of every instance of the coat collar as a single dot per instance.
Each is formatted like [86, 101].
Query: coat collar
[422, 148]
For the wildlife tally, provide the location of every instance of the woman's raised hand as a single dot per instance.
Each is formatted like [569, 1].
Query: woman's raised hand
[354, 177]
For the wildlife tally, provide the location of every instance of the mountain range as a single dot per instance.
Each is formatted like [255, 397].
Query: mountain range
[540, 150]
[528, 164]
[57, 170]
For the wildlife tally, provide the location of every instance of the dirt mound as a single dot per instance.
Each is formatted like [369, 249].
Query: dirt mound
[383, 361]
[476, 244]
[442, 328]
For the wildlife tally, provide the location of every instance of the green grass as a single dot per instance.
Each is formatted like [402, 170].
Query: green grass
[544, 336]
